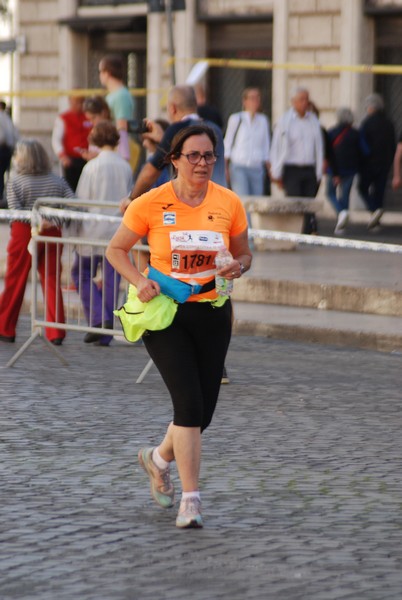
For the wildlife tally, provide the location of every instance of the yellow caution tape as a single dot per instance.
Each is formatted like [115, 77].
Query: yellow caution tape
[323, 68]
[140, 92]
[231, 63]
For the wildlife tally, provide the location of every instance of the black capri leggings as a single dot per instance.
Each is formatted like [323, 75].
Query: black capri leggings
[190, 355]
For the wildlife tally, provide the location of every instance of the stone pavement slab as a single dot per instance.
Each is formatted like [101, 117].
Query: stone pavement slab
[301, 477]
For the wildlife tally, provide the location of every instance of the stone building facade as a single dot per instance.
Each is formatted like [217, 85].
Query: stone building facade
[66, 38]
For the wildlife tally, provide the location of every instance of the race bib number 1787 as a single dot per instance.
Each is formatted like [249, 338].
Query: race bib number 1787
[193, 253]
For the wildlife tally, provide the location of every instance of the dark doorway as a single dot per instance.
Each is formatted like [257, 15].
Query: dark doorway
[389, 52]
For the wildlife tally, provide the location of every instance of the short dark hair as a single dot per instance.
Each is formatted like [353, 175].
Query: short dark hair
[104, 133]
[96, 105]
[181, 136]
[113, 64]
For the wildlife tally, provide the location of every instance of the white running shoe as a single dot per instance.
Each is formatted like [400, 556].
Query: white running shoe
[375, 218]
[162, 489]
[189, 515]
[342, 221]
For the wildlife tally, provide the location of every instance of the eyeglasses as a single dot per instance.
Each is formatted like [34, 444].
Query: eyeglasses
[195, 157]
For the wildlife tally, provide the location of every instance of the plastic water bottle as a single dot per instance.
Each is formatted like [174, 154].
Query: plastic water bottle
[224, 287]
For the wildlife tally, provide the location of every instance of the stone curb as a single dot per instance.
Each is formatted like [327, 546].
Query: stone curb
[365, 300]
[321, 335]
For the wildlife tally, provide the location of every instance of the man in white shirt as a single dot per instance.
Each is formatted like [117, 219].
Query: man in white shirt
[247, 143]
[297, 150]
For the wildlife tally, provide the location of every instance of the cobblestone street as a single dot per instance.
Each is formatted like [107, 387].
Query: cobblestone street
[301, 477]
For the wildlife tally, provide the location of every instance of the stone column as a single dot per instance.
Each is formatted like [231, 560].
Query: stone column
[190, 40]
[38, 68]
[357, 47]
[280, 100]
[72, 48]
[156, 55]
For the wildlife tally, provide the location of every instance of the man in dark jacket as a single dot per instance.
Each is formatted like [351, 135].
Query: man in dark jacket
[345, 144]
[182, 112]
[378, 144]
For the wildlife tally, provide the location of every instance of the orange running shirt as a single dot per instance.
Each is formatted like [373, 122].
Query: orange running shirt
[184, 240]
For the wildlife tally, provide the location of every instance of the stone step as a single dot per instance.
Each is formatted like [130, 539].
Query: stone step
[324, 296]
[380, 333]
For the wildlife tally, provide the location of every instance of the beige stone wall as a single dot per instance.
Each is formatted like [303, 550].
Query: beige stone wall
[189, 43]
[38, 68]
[323, 32]
[315, 38]
[305, 31]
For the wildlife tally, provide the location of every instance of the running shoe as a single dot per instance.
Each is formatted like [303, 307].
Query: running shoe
[162, 489]
[189, 516]
[225, 378]
[375, 218]
[341, 223]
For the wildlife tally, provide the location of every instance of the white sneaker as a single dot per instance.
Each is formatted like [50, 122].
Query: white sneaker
[342, 221]
[162, 489]
[375, 218]
[189, 516]
[339, 232]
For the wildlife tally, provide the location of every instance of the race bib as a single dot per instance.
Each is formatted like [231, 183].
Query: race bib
[193, 253]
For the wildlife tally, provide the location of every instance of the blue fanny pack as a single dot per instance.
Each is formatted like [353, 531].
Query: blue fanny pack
[176, 289]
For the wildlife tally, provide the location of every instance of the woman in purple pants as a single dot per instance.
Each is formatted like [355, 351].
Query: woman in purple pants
[106, 178]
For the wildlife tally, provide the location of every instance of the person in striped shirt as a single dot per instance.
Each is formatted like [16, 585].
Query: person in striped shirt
[32, 179]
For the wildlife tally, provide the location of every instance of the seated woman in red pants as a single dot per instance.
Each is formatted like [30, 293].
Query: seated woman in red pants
[32, 179]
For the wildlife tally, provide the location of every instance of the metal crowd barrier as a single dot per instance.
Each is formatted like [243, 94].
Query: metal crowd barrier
[75, 320]
[66, 248]
[327, 242]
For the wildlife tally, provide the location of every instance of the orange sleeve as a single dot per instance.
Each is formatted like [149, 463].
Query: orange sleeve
[136, 216]
[239, 221]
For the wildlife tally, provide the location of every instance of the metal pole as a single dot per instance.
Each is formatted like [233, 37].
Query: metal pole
[169, 19]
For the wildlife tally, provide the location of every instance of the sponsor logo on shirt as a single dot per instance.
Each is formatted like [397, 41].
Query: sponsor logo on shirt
[169, 218]
[195, 239]
[218, 215]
